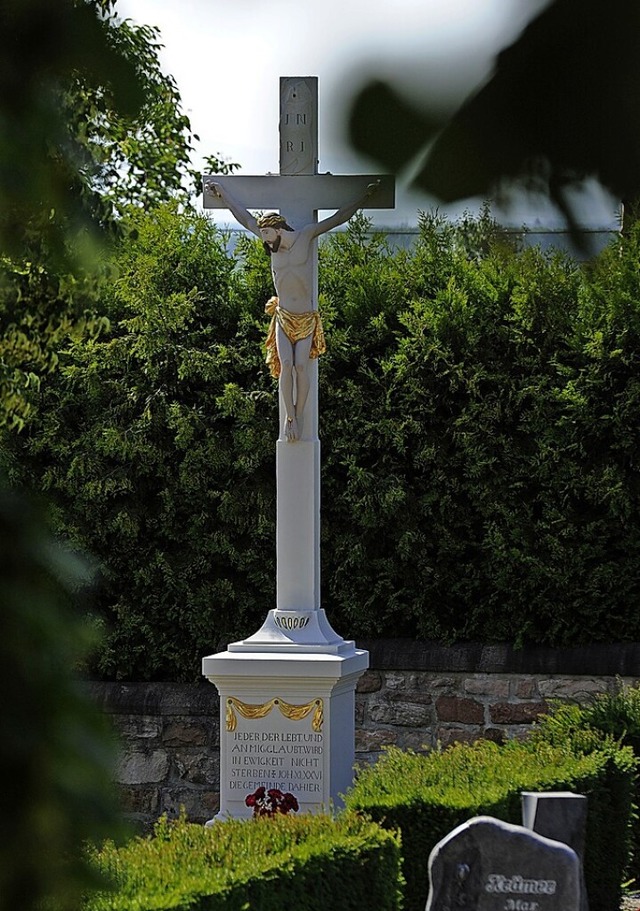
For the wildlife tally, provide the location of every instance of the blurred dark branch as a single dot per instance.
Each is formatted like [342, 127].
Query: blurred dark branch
[562, 104]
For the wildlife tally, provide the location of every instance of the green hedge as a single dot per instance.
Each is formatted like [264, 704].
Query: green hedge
[152, 444]
[426, 796]
[281, 864]
[480, 457]
[479, 415]
[615, 715]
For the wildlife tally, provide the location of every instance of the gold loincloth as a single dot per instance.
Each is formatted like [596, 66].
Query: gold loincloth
[296, 326]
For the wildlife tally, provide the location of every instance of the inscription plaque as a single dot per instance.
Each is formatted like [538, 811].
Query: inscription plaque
[275, 744]
[298, 125]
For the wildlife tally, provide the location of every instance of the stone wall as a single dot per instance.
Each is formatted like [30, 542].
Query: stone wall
[169, 737]
[415, 695]
[420, 695]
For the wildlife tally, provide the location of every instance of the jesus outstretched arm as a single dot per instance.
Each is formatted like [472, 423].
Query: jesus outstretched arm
[241, 214]
[295, 335]
[345, 213]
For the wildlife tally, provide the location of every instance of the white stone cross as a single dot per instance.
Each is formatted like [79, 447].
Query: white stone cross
[298, 623]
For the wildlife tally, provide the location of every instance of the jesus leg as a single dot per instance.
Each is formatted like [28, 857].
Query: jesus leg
[301, 364]
[285, 353]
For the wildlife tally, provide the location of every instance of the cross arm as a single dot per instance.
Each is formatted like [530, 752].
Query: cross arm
[318, 191]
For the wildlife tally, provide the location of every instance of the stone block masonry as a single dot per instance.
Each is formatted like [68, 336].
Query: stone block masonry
[420, 710]
[414, 696]
[169, 748]
[421, 695]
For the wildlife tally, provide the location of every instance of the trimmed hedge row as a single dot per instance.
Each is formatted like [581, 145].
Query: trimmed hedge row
[348, 862]
[426, 796]
[615, 715]
[306, 863]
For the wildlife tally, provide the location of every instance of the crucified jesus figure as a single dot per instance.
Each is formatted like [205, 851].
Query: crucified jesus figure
[295, 335]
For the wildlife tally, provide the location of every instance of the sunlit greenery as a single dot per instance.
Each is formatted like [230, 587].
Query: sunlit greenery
[479, 408]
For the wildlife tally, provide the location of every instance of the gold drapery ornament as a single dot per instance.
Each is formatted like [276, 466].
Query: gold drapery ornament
[292, 712]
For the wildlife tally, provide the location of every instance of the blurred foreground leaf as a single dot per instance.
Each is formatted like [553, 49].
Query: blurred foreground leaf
[55, 755]
[563, 103]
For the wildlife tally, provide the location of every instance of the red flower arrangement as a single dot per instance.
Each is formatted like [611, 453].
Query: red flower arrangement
[271, 802]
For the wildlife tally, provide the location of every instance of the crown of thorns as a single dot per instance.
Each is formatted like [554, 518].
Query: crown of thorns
[273, 220]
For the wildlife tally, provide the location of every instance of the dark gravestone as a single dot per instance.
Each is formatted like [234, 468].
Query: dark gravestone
[489, 865]
[561, 815]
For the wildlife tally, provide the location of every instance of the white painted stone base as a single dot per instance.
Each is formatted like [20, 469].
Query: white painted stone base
[287, 721]
[295, 631]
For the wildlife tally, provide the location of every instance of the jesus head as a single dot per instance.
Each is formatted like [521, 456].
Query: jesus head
[270, 225]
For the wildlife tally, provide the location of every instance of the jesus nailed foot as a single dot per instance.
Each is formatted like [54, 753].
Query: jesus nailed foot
[291, 432]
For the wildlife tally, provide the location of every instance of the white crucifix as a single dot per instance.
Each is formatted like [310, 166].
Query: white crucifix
[287, 693]
[295, 339]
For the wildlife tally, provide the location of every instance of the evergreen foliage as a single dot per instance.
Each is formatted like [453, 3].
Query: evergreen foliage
[426, 796]
[609, 715]
[311, 862]
[480, 476]
[479, 414]
[152, 441]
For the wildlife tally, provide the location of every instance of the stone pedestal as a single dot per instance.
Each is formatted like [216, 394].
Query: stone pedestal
[286, 722]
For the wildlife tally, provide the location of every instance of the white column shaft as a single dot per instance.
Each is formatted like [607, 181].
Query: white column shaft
[298, 525]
